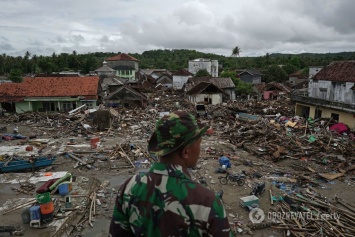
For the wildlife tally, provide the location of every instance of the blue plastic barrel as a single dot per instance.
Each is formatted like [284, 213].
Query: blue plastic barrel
[35, 212]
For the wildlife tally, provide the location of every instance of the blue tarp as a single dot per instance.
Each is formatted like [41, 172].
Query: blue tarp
[223, 160]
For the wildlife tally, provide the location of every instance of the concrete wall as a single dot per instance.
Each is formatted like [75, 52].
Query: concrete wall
[332, 91]
[179, 81]
[211, 66]
[344, 117]
[231, 93]
[313, 71]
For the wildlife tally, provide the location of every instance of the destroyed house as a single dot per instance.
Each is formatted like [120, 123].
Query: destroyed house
[180, 78]
[224, 83]
[49, 94]
[166, 80]
[207, 93]
[250, 76]
[331, 94]
[125, 96]
[271, 91]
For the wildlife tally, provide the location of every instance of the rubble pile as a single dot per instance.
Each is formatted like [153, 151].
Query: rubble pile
[278, 140]
[110, 143]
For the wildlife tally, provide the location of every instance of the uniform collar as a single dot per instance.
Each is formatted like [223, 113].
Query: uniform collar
[170, 170]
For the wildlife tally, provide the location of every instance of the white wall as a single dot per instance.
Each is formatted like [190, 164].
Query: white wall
[179, 81]
[200, 98]
[211, 66]
[313, 71]
[335, 92]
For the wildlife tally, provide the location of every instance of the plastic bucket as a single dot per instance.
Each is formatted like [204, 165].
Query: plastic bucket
[94, 141]
[26, 215]
[35, 213]
[47, 208]
[47, 217]
[64, 188]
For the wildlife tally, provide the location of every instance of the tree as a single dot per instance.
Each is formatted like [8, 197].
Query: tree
[275, 74]
[236, 51]
[290, 68]
[16, 76]
[241, 88]
[27, 55]
[202, 73]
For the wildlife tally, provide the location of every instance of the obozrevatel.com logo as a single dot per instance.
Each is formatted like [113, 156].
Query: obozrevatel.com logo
[256, 215]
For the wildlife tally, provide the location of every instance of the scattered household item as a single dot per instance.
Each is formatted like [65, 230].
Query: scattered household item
[43, 198]
[35, 224]
[94, 142]
[29, 148]
[64, 188]
[248, 201]
[35, 213]
[68, 203]
[66, 177]
[223, 160]
[47, 211]
[339, 128]
[26, 215]
[258, 189]
[45, 187]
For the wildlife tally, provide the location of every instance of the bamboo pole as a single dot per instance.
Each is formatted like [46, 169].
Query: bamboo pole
[19, 206]
[127, 156]
[80, 160]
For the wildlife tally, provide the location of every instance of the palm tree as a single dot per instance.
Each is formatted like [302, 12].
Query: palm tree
[236, 51]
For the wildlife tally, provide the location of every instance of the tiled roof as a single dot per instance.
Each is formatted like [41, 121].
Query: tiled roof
[151, 71]
[221, 82]
[138, 96]
[251, 72]
[122, 57]
[105, 68]
[261, 87]
[110, 81]
[51, 87]
[182, 72]
[339, 71]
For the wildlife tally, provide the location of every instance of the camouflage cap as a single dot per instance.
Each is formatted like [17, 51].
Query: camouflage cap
[174, 131]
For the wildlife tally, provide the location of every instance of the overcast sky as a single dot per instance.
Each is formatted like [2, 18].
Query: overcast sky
[134, 26]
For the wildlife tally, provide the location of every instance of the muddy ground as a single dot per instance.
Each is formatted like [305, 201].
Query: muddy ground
[241, 161]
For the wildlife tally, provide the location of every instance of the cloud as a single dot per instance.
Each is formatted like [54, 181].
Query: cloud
[134, 26]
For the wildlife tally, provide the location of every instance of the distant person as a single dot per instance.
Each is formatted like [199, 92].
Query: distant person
[165, 201]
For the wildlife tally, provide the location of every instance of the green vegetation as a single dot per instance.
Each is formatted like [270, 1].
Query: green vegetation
[16, 76]
[175, 59]
[202, 73]
[241, 88]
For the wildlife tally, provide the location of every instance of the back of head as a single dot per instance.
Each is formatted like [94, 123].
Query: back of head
[174, 131]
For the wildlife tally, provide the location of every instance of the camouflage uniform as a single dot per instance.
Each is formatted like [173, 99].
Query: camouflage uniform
[165, 201]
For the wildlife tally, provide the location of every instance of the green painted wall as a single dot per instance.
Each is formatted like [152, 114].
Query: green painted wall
[36, 106]
[22, 107]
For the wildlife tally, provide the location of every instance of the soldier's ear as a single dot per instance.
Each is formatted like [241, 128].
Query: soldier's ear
[184, 154]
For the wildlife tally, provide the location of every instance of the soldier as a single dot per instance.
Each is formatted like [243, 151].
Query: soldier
[165, 201]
